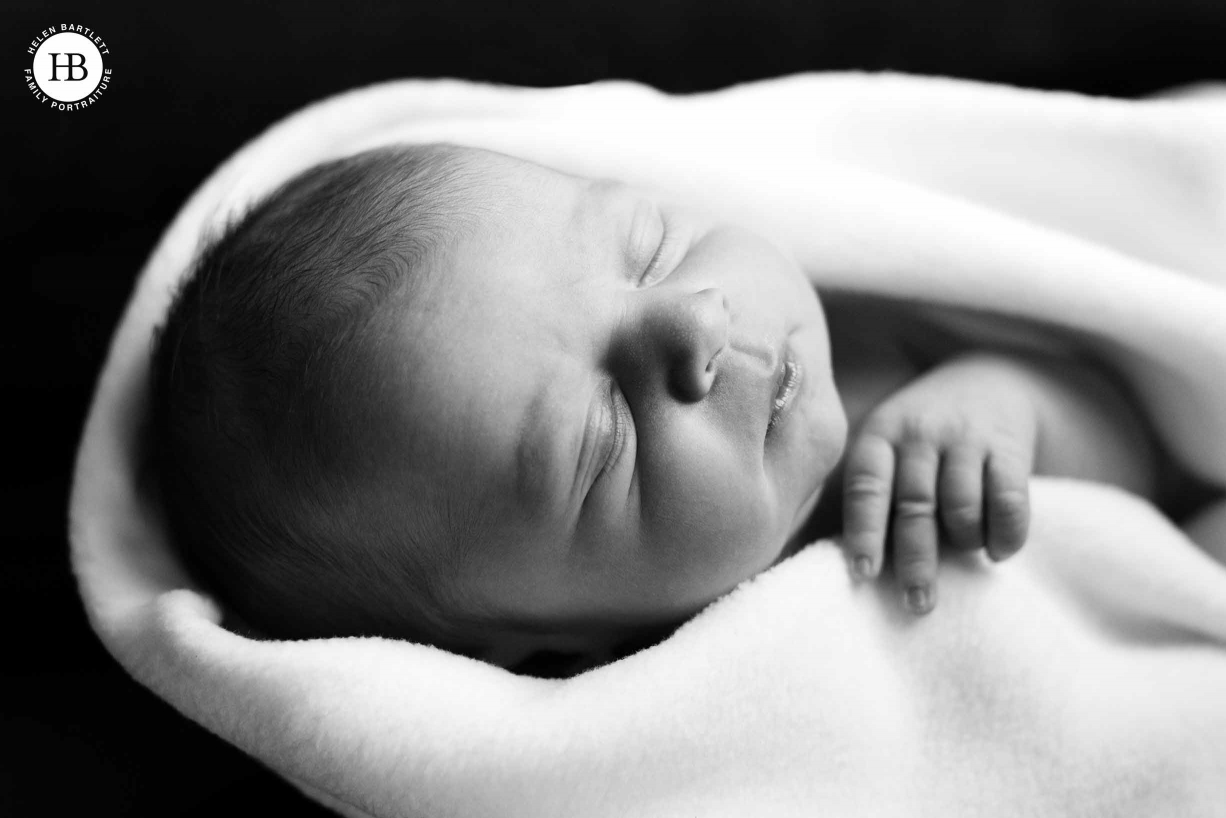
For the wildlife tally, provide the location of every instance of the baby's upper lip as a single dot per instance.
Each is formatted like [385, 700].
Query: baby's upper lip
[770, 354]
[763, 349]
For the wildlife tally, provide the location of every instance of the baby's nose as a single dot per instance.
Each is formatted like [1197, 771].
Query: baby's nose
[686, 332]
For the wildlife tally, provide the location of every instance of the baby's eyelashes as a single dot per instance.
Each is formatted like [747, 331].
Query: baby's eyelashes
[611, 434]
[661, 261]
[623, 423]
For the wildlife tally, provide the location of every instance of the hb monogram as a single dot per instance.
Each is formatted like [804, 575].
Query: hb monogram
[70, 65]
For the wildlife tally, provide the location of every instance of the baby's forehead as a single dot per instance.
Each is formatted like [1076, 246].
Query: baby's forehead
[494, 171]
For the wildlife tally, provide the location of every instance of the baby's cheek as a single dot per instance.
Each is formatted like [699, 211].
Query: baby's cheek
[707, 506]
[724, 498]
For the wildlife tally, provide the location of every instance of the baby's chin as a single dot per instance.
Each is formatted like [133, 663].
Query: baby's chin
[799, 533]
[805, 512]
[819, 515]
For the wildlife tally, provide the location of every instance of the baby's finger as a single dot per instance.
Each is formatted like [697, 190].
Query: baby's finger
[915, 526]
[961, 497]
[1007, 481]
[867, 483]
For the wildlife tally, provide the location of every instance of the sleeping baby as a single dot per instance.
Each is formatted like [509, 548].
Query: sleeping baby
[444, 394]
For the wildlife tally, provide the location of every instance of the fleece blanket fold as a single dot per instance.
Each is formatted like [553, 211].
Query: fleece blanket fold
[1086, 676]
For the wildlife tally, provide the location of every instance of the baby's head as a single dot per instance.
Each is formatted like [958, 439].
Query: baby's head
[461, 398]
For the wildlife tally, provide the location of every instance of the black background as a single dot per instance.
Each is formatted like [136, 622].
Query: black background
[87, 193]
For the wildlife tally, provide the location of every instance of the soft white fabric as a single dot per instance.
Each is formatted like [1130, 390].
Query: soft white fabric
[1087, 676]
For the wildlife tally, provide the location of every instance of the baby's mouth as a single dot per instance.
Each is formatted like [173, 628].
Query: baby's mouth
[788, 382]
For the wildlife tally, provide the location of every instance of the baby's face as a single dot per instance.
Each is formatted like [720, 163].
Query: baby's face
[626, 407]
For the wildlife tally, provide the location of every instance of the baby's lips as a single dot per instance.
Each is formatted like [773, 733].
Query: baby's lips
[791, 375]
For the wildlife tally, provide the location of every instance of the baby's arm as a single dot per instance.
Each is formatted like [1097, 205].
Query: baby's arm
[953, 450]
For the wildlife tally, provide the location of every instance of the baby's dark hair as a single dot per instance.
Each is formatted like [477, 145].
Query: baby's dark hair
[259, 375]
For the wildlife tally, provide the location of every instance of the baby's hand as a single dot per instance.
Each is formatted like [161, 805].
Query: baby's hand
[952, 451]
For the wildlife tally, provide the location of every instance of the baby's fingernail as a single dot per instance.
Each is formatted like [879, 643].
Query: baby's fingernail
[1000, 553]
[917, 599]
[864, 567]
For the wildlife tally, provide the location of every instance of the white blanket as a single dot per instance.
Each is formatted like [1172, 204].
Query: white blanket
[1086, 676]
